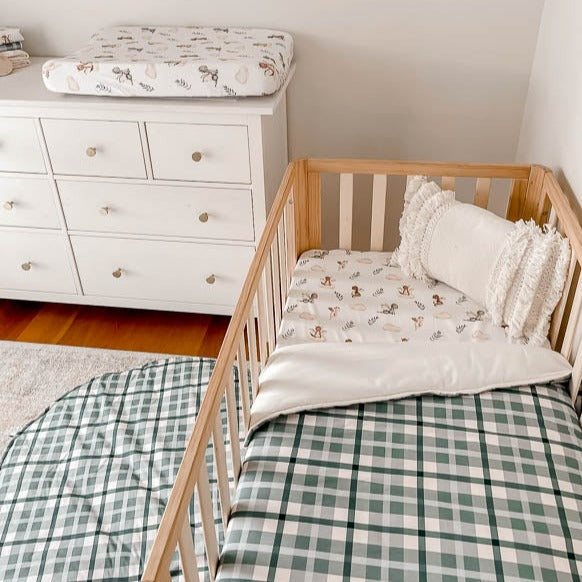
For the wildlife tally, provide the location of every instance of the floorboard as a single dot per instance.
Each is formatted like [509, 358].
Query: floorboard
[114, 328]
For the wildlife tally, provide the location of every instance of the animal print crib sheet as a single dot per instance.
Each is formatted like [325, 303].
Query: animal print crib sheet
[351, 296]
[142, 61]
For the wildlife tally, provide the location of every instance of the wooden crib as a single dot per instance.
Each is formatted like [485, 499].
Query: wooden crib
[295, 225]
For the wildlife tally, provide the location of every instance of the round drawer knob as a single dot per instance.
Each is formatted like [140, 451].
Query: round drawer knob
[8, 205]
[26, 266]
[104, 210]
[203, 217]
[211, 279]
[117, 273]
[196, 156]
[91, 152]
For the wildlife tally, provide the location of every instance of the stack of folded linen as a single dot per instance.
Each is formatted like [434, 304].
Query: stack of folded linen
[11, 47]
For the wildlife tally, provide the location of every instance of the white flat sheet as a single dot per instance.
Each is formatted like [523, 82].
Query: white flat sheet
[351, 296]
[162, 61]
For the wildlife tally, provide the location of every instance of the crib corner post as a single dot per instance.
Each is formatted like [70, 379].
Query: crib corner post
[307, 196]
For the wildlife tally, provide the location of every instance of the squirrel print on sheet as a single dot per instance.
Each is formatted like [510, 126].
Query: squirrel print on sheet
[356, 291]
[406, 291]
[388, 309]
[437, 300]
[418, 322]
[317, 333]
[475, 316]
[327, 281]
[333, 311]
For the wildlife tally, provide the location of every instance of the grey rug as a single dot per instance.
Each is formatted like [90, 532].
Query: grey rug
[33, 376]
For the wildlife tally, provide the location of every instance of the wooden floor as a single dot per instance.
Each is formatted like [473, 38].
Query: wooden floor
[107, 327]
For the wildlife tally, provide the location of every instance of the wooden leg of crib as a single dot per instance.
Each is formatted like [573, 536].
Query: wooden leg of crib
[221, 470]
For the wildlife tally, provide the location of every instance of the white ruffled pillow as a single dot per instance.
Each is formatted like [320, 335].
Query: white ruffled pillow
[516, 270]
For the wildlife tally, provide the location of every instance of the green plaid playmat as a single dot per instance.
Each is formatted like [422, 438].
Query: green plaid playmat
[477, 488]
[83, 488]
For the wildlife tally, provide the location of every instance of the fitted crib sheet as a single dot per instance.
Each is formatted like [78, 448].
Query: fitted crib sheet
[351, 296]
[161, 61]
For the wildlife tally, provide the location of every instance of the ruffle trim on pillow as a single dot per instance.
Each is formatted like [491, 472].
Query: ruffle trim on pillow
[417, 224]
[527, 281]
[413, 184]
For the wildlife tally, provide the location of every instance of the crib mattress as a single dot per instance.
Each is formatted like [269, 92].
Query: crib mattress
[479, 488]
[162, 61]
[350, 296]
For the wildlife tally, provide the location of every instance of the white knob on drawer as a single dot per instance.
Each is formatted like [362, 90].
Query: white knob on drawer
[203, 217]
[211, 279]
[91, 152]
[197, 156]
[26, 266]
[8, 205]
[117, 273]
[104, 210]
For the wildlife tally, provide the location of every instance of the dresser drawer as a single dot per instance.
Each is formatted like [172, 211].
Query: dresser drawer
[27, 202]
[161, 271]
[158, 210]
[208, 153]
[19, 147]
[94, 148]
[35, 262]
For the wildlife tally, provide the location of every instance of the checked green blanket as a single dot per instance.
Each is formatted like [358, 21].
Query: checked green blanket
[480, 488]
[83, 488]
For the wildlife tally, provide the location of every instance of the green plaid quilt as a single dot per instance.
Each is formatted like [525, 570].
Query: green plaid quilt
[83, 488]
[477, 488]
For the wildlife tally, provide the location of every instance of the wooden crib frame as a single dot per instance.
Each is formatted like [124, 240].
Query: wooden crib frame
[293, 226]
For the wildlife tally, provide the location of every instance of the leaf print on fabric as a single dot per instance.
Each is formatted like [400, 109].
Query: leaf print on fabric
[460, 328]
[420, 305]
[183, 84]
[437, 335]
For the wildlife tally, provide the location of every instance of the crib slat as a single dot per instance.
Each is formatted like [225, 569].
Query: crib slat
[378, 212]
[268, 272]
[569, 335]
[346, 209]
[243, 379]
[187, 553]
[221, 470]
[482, 192]
[233, 429]
[207, 517]
[276, 271]
[263, 320]
[553, 218]
[448, 183]
[290, 240]
[252, 337]
[558, 315]
[283, 279]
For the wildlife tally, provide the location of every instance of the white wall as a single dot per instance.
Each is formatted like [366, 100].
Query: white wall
[552, 123]
[442, 79]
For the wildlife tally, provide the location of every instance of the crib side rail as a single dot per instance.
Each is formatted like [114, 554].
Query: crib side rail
[249, 339]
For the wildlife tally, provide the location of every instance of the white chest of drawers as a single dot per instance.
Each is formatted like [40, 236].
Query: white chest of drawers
[133, 202]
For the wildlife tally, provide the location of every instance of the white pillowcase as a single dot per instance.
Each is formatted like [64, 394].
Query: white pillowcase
[516, 270]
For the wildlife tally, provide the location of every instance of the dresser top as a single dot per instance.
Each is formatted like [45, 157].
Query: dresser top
[25, 88]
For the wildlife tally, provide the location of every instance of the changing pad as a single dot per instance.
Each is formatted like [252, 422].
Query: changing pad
[175, 62]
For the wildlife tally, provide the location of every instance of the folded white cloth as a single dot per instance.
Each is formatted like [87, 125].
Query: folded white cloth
[18, 54]
[10, 34]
